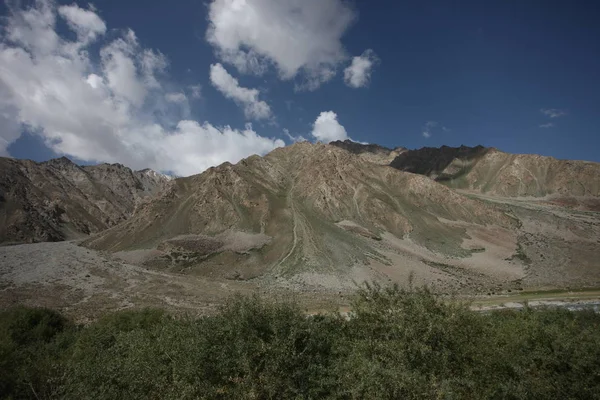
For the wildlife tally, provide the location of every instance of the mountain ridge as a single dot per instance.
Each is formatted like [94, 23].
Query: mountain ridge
[323, 209]
[58, 200]
[491, 171]
[324, 216]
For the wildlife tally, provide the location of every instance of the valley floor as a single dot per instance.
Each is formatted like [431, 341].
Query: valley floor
[85, 284]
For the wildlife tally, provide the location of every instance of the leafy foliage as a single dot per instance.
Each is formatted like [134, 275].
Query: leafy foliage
[395, 344]
[35, 345]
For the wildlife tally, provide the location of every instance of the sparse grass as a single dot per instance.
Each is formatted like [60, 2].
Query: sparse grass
[396, 344]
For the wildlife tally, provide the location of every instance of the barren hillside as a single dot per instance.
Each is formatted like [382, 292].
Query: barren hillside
[370, 152]
[308, 219]
[309, 213]
[502, 174]
[57, 199]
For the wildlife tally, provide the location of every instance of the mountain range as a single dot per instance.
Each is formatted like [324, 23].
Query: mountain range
[325, 216]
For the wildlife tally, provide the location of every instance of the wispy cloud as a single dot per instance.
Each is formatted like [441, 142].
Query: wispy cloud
[553, 112]
[177, 97]
[196, 91]
[548, 125]
[293, 138]
[246, 98]
[428, 127]
[431, 126]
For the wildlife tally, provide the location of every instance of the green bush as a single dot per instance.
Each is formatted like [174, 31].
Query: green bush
[406, 344]
[396, 343]
[34, 348]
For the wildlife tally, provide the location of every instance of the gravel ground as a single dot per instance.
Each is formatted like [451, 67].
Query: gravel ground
[555, 248]
[85, 283]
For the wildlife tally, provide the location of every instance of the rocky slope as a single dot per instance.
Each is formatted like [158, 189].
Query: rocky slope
[57, 199]
[306, 212]
[370, 152]
[496, 173]
[319, 218]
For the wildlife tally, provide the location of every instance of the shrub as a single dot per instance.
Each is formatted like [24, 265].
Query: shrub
[34, 346]
[396, 344]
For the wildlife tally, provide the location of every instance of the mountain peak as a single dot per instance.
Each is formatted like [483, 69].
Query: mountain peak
[62, 161]
[304, 211]
[154, 174]
[370, 152]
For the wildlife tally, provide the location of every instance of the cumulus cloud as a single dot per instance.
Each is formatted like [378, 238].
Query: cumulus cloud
[33, 30]
[130, 71]
[553, 112]
[358, 73]
[298, 37]
[246, 98]
[106, 111]
[327, 128]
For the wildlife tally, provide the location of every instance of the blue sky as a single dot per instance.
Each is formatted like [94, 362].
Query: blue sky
[522, 76]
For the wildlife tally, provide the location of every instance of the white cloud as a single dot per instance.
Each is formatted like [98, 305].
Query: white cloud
[152, 64]
[176, 97]
[293, 138]
[314, 79]
[296, 36]
[212, 145]
[106, 111]
[553, 112]
[11, 129]
[548, 125]
[358, 73]
[33, 30]
[246, 98]
[121, 73]
[327, 128]
[87, 24]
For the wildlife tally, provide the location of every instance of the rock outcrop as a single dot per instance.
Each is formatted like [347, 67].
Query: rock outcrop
[58, 200]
